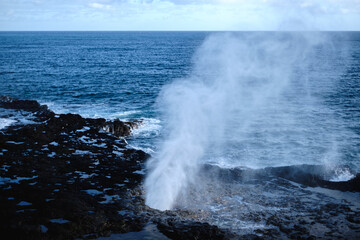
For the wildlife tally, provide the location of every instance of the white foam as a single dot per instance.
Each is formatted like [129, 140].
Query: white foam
[90, 110]
[6, 122]
[148, 150]
[15, 117]
[342, 175]
[150, 127]
[124, 114]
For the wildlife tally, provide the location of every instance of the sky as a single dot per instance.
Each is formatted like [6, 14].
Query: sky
[179, 15]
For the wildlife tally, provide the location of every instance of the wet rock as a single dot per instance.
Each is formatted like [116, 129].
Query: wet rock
[66, 178]
[175, 229]
[78, 181]
[41, 111]
[308, 175]
[313, 176]
[120, 128]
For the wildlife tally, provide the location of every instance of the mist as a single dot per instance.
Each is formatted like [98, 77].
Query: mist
[250, 101]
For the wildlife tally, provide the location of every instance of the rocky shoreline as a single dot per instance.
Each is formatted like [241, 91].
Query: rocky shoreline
[66, 177]
[63, 176]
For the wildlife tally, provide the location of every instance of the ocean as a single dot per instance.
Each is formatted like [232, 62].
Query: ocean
[264, 99]
[120, 75]
[96, 74]
[234, 102]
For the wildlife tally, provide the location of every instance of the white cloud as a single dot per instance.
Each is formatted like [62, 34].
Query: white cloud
[180, 15]
[99, 5]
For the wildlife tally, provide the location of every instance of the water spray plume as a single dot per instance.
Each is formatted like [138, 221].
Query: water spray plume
[235, 75]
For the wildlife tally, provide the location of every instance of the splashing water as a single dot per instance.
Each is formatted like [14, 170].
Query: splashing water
[237, 78]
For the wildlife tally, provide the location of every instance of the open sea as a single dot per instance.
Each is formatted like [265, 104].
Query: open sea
[313, 118]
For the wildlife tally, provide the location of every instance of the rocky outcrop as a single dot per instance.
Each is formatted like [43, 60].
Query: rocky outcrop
[67, 177]
[120, 128]
[41, 111]
[307, 175]
[64, 177]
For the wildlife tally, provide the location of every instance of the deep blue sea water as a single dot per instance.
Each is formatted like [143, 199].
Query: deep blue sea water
[108, 72]
[120, 75]
[96, 74]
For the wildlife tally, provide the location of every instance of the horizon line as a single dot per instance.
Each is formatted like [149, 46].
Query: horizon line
[179, 30]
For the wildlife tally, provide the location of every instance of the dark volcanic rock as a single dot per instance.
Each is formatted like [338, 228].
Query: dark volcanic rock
[64, 177]
[120, 128]
[174, 229]
[67, 177]
[293, 202]
[41, 111]
[314, 176]
[308, 175]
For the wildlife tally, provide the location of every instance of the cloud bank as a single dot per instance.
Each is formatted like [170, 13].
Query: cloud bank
[180, 15]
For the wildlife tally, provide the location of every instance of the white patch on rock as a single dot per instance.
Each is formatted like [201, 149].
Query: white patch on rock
[15, 180]
[110, 199]
[43, 229]
[54, 144]
[16, 143]
[24, 203]
[84, 129]
[84, 175]
[6, 122]
[92, 192]
[59, 220]
[117, 153]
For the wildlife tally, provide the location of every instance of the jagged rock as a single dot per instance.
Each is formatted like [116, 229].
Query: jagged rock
[66, 178]
[120, 128]
[41, 111]
[308, 175]
[191, 230]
